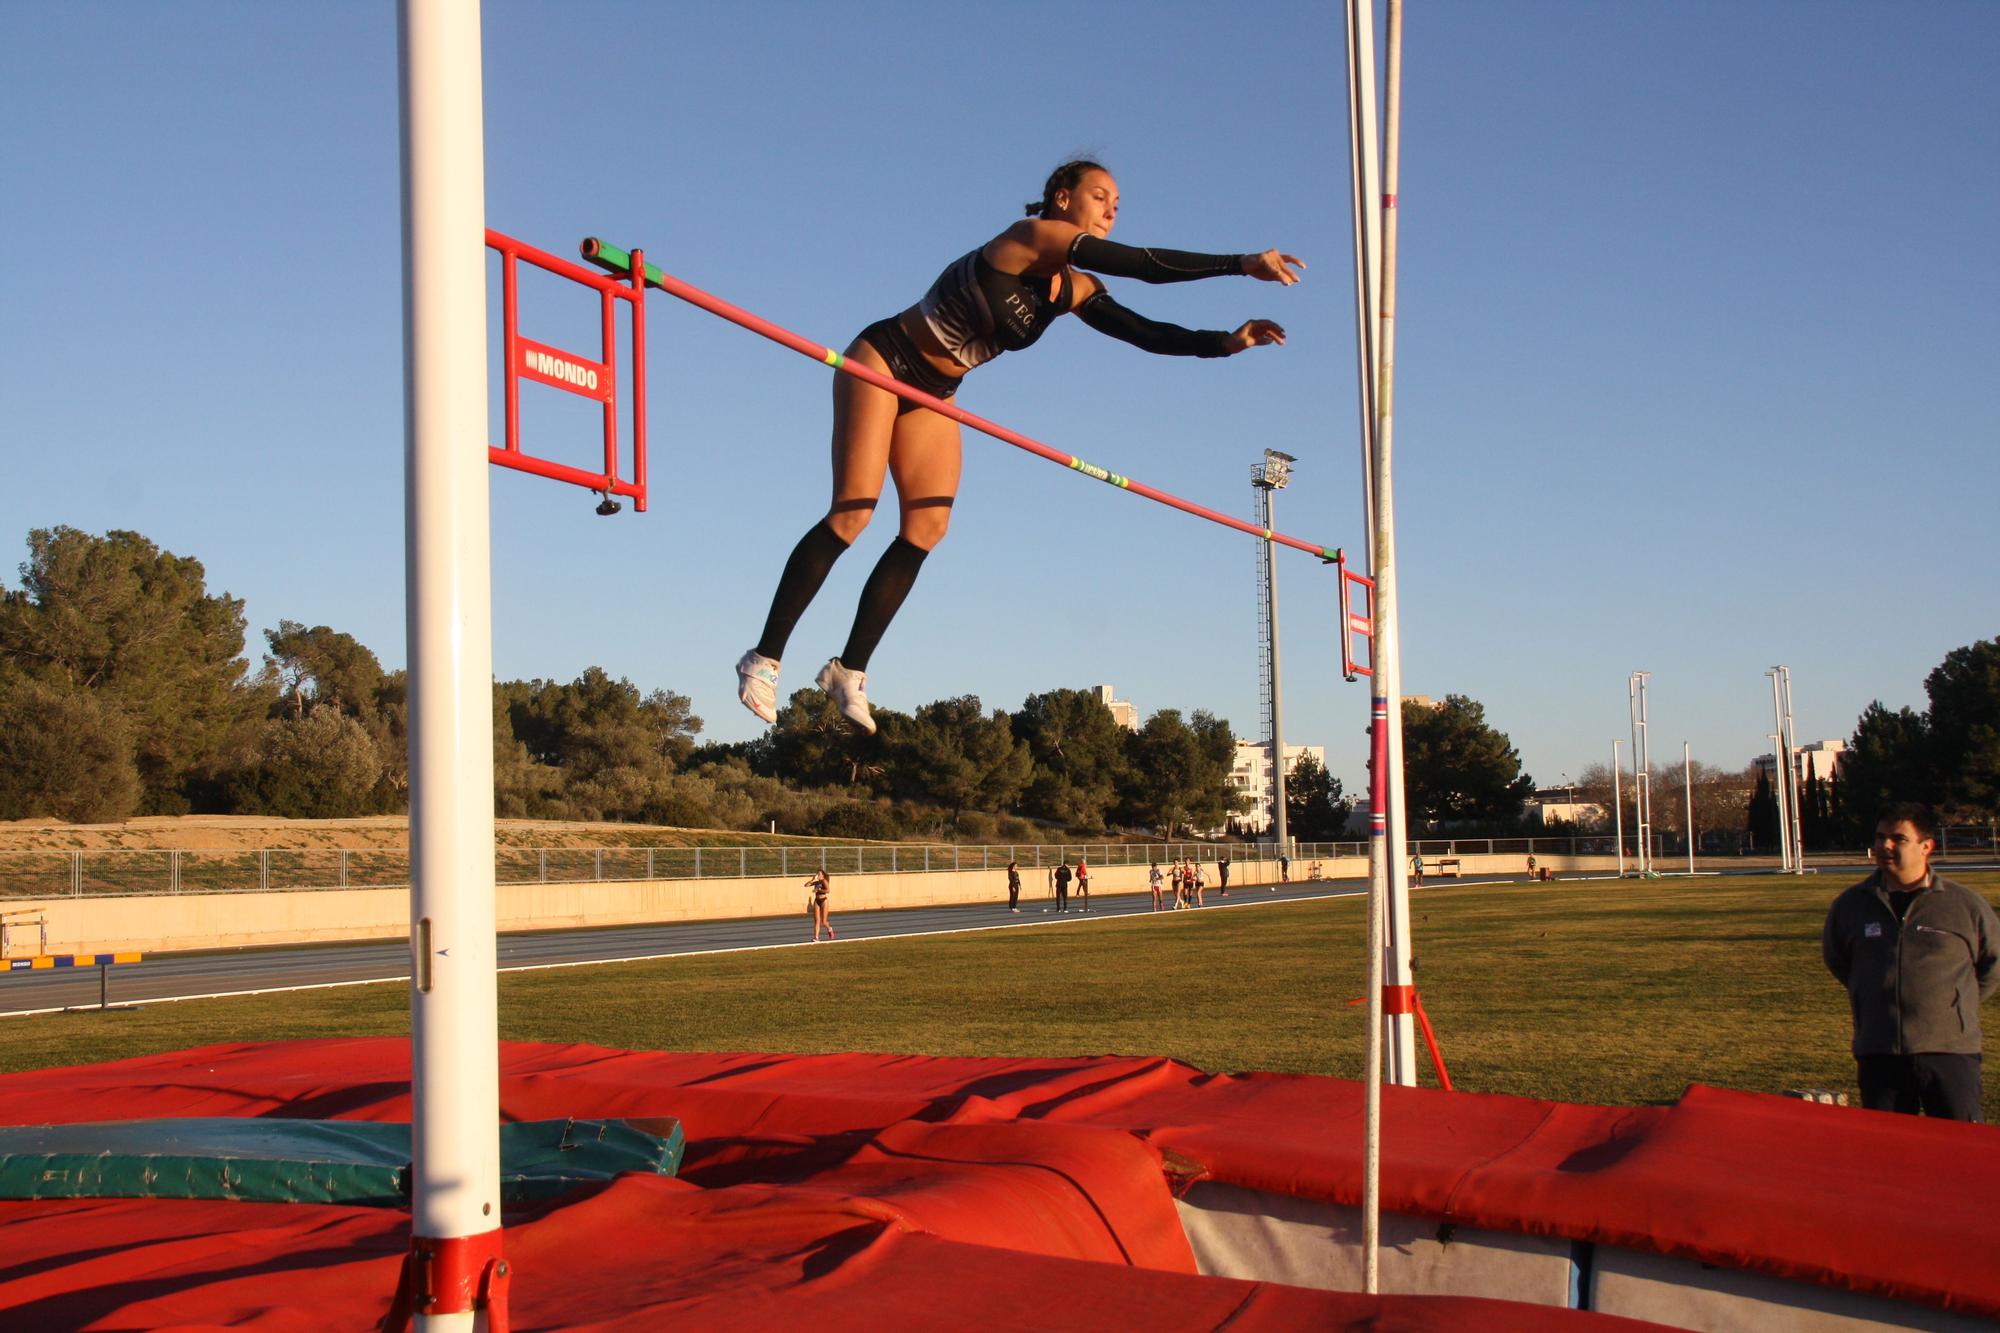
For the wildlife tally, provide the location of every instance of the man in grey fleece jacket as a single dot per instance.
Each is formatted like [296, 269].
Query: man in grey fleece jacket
[1917, 954]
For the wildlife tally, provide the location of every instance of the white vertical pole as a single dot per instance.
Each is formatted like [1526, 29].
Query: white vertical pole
[1362, 149]
[1781, 766]
[1638, 801]
[1792, 771]
[1383, 855]
[455, 1206]
[1785, 823]
[1617, 809]
[1687, 793]
[1642, 774]
[1402, 1026]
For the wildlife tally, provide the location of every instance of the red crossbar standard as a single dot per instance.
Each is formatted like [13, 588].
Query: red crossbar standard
[1353, 622]
[596, 379]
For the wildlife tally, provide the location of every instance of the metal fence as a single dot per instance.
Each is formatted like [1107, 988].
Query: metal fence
[126, 873]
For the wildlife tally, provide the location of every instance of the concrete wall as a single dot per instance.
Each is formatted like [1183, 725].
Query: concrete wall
[167, 923]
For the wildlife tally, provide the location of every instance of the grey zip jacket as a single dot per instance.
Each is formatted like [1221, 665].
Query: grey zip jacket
[1914, 985]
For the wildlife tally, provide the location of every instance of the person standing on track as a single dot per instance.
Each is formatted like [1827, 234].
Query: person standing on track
[1062, 886]
[1222, 872]
[1014, 887]
[1000, 297]
[1083, 882]
[817, 889]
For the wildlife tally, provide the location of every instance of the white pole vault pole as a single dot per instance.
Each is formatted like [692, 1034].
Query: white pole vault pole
[1687, 794]
[455, 1202]
[1792, 772]
[1366, 193]
[1367, 204]
[1781, 764]
[1402, 1029]
[1394, 997]
[1617, 810]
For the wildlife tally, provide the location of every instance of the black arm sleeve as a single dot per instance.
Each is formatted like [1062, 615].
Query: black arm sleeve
[1150, 335]
[1093, 252]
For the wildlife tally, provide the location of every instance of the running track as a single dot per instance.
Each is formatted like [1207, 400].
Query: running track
[194, 976]
[191, 976]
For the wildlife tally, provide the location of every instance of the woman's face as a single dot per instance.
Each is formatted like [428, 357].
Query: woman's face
[1092, 204]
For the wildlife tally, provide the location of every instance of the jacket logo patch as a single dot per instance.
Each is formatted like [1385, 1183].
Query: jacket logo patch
[1873, 930]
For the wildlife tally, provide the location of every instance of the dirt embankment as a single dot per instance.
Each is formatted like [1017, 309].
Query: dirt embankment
[256, 832]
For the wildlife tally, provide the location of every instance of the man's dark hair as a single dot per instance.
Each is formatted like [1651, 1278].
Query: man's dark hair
[1917, 815]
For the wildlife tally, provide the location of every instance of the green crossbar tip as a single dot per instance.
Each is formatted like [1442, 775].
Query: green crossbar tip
[608, 256]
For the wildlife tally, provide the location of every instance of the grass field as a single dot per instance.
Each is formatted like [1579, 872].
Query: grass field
[1595, 991]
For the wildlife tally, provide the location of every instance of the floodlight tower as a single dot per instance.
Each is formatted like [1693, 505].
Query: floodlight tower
[1268, 477]
[1642, 777]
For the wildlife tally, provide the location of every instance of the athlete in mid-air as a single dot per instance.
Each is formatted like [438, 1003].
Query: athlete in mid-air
[998, 298]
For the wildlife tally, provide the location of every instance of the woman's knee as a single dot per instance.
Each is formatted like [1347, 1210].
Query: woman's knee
[925, 526]
[849, 518]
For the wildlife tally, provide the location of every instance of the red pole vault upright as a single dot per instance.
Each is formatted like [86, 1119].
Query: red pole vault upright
[593, 379]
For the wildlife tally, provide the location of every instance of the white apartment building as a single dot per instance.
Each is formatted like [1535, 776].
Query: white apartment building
[1817, 760]
[1122, 711]
[1252, 777]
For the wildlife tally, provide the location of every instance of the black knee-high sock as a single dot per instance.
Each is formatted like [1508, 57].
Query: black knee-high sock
[881, 596]
[804, 572]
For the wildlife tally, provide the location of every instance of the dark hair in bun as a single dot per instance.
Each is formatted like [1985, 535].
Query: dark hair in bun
[1064, 177]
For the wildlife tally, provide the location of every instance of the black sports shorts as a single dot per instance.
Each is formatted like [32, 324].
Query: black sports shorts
[906, 363]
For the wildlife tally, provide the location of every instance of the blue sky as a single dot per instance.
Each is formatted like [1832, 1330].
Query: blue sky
[1698, 306]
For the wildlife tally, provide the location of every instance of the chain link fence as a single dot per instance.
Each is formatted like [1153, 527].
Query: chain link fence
[127, 873]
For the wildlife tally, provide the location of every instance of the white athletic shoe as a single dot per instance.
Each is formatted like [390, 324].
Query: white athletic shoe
[757, 684]
[849, 692]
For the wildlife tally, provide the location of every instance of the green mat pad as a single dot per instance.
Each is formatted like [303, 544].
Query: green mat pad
[309, 1161]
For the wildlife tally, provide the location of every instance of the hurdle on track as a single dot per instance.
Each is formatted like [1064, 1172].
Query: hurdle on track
[103, 962]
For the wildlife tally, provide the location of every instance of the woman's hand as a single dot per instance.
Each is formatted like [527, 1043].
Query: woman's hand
[1273, 266]
[1256, 333]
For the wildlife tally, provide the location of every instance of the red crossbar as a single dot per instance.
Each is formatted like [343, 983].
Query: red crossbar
[617, 261]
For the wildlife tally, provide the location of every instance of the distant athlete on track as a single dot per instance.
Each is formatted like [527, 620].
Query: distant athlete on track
[1000, 297]
[817, 889]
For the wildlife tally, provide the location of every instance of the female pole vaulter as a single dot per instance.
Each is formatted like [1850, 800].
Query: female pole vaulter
[999, 298]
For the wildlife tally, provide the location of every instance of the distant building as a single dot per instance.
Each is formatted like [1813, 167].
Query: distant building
[1122, 711]
[1252, 777]
[1559, 804]
[1817, 760]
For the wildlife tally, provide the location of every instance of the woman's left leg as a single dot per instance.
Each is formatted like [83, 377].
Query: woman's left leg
[925, 458]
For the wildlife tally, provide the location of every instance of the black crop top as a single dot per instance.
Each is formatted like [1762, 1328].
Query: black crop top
[978, 312]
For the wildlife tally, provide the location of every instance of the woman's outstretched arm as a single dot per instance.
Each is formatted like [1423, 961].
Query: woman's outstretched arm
[1110, 318]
